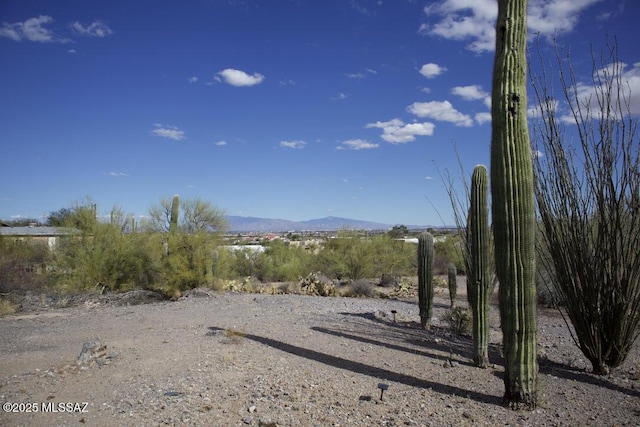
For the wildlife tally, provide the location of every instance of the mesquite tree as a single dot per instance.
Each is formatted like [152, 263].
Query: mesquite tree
[513, 209]
[588, 195]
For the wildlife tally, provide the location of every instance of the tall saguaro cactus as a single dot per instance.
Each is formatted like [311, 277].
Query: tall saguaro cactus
[425, 279]
[479, 275]
[175, 211]
[512, 204]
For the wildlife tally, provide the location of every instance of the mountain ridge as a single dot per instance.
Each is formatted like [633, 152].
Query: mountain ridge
[329, 223]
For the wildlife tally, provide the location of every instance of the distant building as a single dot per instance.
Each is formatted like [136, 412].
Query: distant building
[50, 235]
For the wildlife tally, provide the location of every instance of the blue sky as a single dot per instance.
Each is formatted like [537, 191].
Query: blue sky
[279, 109]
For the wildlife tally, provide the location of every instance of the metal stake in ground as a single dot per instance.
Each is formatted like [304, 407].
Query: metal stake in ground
[382, 387]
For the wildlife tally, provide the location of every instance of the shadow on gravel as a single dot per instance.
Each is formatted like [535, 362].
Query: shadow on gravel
[412, 333]
[551, 367]
[372, 371]
[442, 347]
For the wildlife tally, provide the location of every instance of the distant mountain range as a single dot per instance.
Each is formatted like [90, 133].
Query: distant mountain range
[330, 223]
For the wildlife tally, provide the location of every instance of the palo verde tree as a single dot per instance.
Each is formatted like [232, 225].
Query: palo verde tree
[194, 229]
[513, 208]
[588, 196]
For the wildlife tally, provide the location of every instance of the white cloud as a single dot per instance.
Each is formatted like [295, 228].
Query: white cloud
[95, 29]
[482, 118]
[340, 96]
[221, 143]
[171, 132]
[293, 144]
[358, 144]
[625, 80]
[32, 29]
[432, 70]
[113, 173]
[72, 51]
[397, 132]
[442, 111]
[470, 93]
[474, 20]
[287, 82]
[193, 79]
[239, 78]
[355, 76]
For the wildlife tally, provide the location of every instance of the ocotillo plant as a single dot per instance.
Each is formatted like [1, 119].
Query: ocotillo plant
[175, 211]
[453, 285]
[478, 274]
[425, 279]
[513, 209]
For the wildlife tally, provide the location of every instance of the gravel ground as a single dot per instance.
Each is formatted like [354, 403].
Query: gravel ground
[238, 359]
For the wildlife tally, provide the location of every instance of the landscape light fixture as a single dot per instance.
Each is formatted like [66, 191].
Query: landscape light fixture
[382, 387]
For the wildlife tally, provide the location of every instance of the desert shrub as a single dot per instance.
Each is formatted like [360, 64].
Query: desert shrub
[244, 263]
[351, 255]
[281, 262]
[389, 280]
[359, 288]
[459, 320]
[448, 251]
[288, 288]
[23, 264]
[107, 258]
[317, 284]
[188, 262]
[7, 307]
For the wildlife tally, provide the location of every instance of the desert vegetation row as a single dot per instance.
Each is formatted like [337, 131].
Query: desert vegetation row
[116, 255]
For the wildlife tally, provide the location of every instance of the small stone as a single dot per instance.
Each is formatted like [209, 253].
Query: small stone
[247, 420]
[252, 409]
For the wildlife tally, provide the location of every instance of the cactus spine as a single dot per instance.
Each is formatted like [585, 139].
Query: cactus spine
[513, 209]
[425, 279]
[175, 211]
[453, 285]
[479, 275]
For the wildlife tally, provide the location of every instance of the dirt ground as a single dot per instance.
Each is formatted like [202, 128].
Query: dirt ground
[236, 359]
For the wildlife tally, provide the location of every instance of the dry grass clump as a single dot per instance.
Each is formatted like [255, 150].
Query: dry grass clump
[234, 336]
[7, 307]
